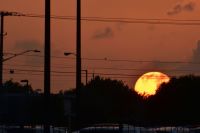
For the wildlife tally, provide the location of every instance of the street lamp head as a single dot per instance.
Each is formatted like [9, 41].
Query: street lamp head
[36, 51]
[12, 71]
[25, 80]
[68, 53]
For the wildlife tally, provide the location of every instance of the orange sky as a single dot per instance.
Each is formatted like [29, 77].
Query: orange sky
[102, 40]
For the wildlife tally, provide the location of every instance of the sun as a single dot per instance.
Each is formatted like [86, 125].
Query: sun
[148, 83]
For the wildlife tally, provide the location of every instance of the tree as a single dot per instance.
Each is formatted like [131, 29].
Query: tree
[15, 87]
[106, 100]
[176, 102]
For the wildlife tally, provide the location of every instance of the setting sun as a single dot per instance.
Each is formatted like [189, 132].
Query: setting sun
[149, 82]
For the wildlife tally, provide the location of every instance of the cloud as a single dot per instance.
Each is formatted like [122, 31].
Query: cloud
[196, 59]
[188, 6]
[192, 68]
[176, 69]
[104, 33]
[27, 45]
[24, 45]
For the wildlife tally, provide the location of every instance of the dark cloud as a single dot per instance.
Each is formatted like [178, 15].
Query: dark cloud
[178, 8]
[104, 33]
[27, 45]
[192, 68]
[24, 45]
[189, 7]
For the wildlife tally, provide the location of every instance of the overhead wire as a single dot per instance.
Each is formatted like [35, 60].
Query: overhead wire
[122, 20]
[117, 60]
[65, 72]
[89, 76]
[101, 68]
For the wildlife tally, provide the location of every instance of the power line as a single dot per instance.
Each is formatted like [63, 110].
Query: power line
[38, 71]
[37, 74]
[56, 75]
[90, 76]
[109, 18]
[123, 20]
[104, 68]
[63, 72]
[121, 60]
[36, 66]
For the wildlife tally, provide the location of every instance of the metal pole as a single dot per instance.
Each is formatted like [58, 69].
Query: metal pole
[78, 60]
[86, 76]
[47, 64]
[47, 70]
[78, 49]
[1, 51]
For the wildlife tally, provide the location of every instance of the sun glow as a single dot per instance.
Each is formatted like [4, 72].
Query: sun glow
[148, 83]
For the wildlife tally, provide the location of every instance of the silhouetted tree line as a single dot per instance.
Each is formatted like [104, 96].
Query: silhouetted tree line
[15, 87]
[20, 104]
[176, 102]
[106, 100]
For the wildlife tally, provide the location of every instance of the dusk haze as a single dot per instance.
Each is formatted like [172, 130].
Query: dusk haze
[99, 66]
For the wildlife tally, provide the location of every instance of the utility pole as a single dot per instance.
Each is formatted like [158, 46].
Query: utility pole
[78, 56]
[78, 47]
[1, 50]
[47, 65]
[47, 68]
[2, 34]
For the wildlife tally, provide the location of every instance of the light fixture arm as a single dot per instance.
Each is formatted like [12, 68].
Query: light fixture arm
[18, 54]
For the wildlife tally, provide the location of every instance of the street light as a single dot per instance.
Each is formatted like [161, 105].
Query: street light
[2, 34]
[68, 53]
[25, 81]
[21, 53]
[14, 55]
[85, 70]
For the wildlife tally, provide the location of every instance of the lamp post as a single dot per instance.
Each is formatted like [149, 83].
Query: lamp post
[84, 70]
[78, 57]
[47, 64]
[68, 53]
[47, 40]
[21, 53]
[2, 34]
[6, 59]
[1, 50]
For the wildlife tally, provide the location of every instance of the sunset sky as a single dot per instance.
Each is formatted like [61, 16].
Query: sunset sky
[103, 40]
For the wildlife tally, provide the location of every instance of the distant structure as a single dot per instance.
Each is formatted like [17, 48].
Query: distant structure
[196, 53]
